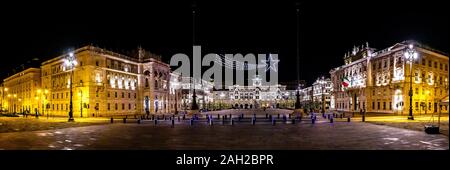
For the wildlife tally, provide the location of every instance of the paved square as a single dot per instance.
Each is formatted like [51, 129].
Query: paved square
[242, 135]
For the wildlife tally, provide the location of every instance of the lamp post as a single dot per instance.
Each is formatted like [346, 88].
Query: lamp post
[410, 55]
[322, 84]
[221, 99]
[70, 62]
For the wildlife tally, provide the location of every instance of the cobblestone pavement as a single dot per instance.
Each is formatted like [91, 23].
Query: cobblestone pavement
[242, 135]
[20, 124]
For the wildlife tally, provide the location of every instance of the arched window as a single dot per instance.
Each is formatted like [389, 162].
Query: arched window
[146, 82]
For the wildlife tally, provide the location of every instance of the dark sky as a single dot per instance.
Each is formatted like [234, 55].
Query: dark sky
[328, 29]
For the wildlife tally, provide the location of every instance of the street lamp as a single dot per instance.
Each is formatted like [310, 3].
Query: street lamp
[410, 55]
[322, 84]
[221, 99]
[70, 62]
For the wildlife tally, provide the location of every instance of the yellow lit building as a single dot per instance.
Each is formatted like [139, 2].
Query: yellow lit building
[20, 92]
[104, 83]
[379, 81]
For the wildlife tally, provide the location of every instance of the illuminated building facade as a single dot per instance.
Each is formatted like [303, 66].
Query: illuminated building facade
[378, 81]
[256, 96]
[321, 92]
[203, 91]
[104, 84]
[22, 92]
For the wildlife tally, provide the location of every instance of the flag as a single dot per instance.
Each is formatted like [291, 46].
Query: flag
[345, 82]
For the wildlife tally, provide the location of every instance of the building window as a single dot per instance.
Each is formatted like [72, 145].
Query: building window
[115, 94]
[417, 90]
[109, 106]
[384, 105]
[134, 95]
[129, 95]
[115, 106]
[440, 66]
[129, 106]
[96, 63]
[424, 62]
[123, 94]
[108, 94]
[429, 63]
[417, 105]
[390, 105]
[446, 67]
[378, 106]
[123, 106]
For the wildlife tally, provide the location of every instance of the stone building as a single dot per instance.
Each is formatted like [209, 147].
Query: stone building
[104, 83]
[379, 81]
[22, 92]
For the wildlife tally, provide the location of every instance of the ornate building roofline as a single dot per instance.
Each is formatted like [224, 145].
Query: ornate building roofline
[32, 69]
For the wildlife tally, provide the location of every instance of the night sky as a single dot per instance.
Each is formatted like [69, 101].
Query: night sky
[327, 29]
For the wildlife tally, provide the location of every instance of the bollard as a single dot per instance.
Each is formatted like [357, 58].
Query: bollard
[225, 116]
[293, 121]
[232, 121]
[124, 120]
[267, 116]
[363, 118]
[112, 120]
[313, 121]
[218, 116]
[273, 122]
[223, 120]
[156, 121]
[331, 120]
[253, 121]
[191, 122]
[342, 116]
[184, 117]
[242, 115]
[173, 122]
[139, 121]
[270, 116]
[348, 119]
